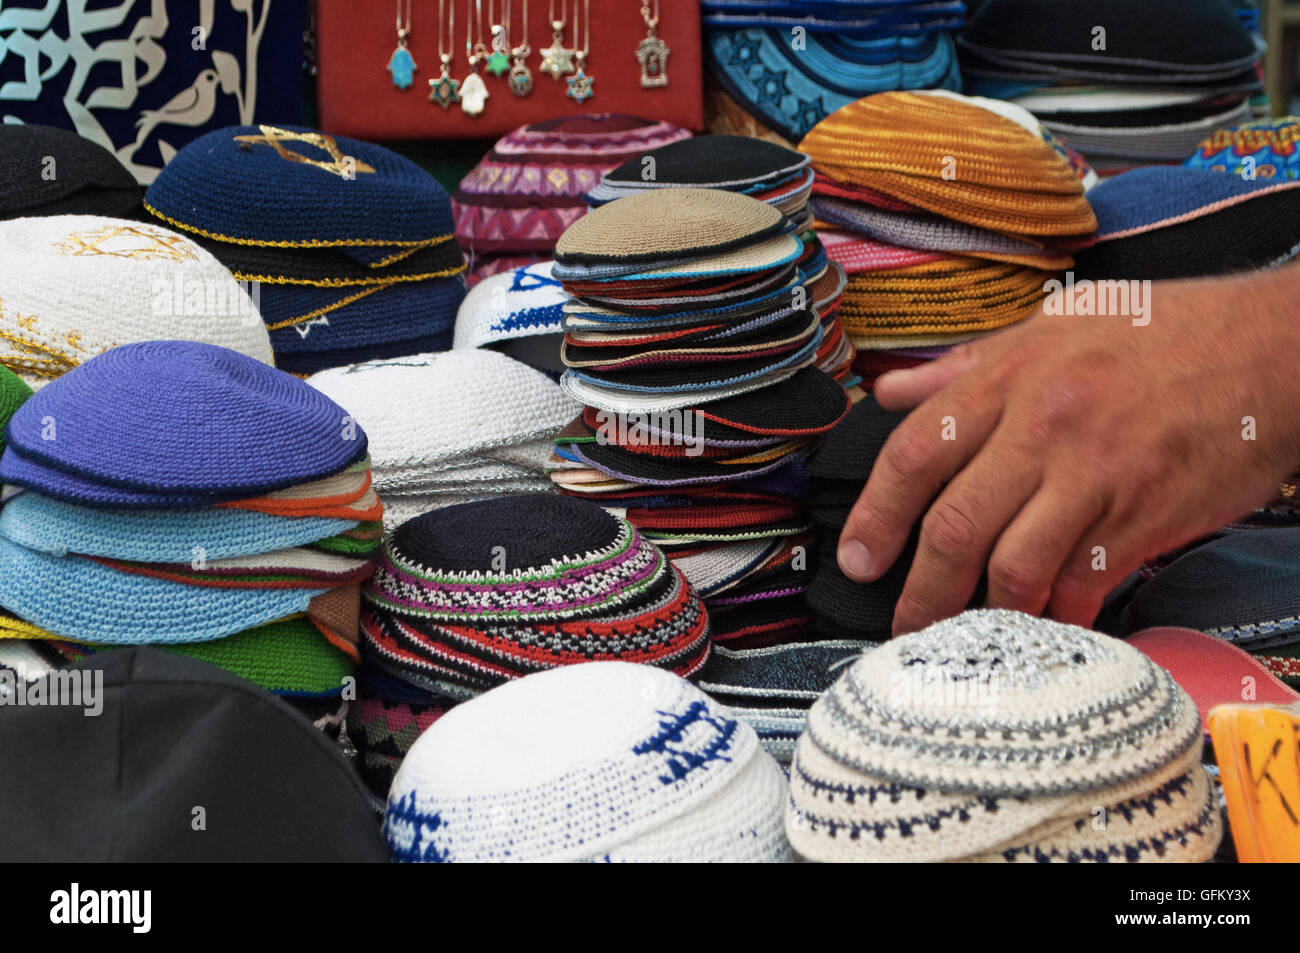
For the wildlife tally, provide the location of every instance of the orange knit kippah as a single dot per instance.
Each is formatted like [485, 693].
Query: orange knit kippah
[954, 158]
[956, 295]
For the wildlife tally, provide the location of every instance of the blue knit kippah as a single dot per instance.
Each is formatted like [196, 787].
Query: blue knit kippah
[51, 526]
[1152, 196]
[176, 419]
[307, 319]
[292, 186]
[78, 598]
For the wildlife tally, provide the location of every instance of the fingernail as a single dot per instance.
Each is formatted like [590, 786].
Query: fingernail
[855, 560]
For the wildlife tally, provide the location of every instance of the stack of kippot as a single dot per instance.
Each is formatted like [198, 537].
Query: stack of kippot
[690, 341]
[956, 212]
[1177, 222]
[1243, 587]
[470, 596]
[996, 737]
[73, 286]
[52, 171]
[351, 245]
[789, 66]
[451, 427]
[517, 312]
[771, 689]
[223, 510]
[768, 172]
[514, 205]
[1267, 149]
[604, 762]
[1126, 84]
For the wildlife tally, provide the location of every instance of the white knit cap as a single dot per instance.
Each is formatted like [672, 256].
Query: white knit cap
[599, 761]
[74, 286]
[995, 735]
[461, 423]
[520, 303]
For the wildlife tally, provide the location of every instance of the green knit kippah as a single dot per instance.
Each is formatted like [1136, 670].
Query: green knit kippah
[13, 391]
[288, 657]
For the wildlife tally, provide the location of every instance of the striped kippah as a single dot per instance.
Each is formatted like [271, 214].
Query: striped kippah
[950, 155]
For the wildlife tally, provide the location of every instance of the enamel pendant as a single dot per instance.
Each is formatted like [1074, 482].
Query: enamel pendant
[498, 61]
[580, 86]
[521, 78]
[444, 90]
[473, 94]
[402, 66]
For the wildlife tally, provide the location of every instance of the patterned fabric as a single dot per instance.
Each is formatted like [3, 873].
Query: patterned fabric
[528, 189]
[1266, 149]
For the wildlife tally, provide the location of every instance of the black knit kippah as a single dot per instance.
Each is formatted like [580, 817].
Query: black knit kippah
[86, 178]
[808, 402]
[850, 450]
[1245, 579]
[1241, 237]
[707, 159]
[532, 529]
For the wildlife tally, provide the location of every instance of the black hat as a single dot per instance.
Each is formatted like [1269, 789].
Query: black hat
[182, 762]
[52, 171]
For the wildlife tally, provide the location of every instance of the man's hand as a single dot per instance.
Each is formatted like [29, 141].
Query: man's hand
[1064, 451]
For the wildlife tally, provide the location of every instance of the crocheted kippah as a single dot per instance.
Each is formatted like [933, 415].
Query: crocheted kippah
[47, 525]
[1266, 148]
[613, 762]
[13, 392]
[189, 419]
[1191, 33]
[288, 187]
[907, 145]
[517, 312]
[1243, 587]
[77, 285]
[710, 162]
[1067, 709]
[668, 223]
[53, 171]
[528, 189]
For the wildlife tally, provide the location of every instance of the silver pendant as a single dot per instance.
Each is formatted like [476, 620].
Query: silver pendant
[652, 53]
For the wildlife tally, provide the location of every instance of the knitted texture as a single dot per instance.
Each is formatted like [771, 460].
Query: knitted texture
[520, 303]
[295, 187]
[668, 222]
[193, 422]
[992, 736]
[87, 179]
[77, 285]
[1007, 178]
[482, 592]
[614, 762]
[13, 392]
[528, 189]
[288, 657]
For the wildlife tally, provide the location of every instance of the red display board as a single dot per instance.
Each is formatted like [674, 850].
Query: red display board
[356, 38]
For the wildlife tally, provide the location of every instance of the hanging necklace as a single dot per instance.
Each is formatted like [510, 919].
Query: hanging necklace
[499, 62]
[444, 90]
[580, 84]
[652, 52]
[521, 77]
[400, 64]
[473, 91]
[556, 60]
